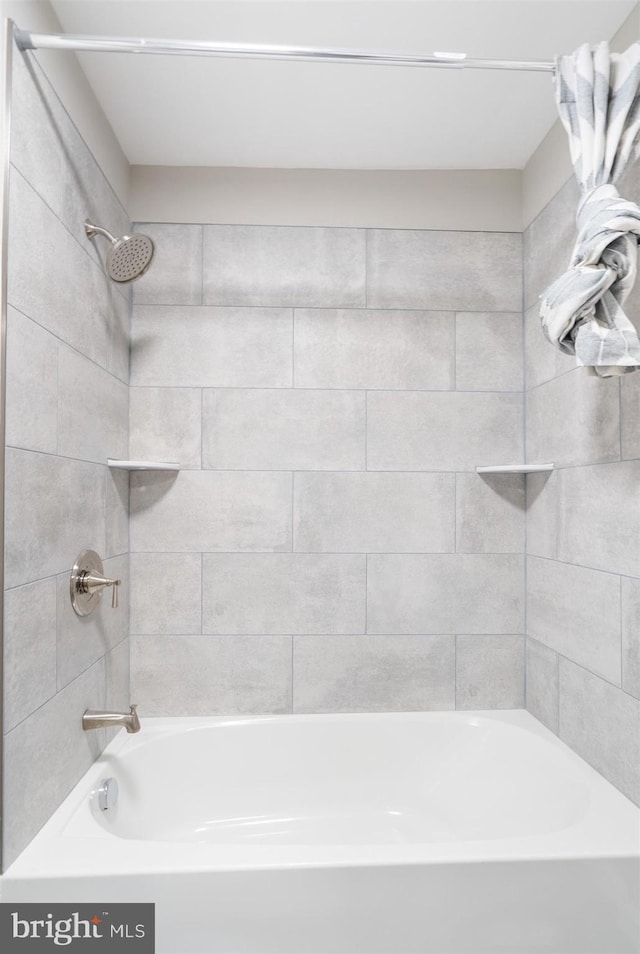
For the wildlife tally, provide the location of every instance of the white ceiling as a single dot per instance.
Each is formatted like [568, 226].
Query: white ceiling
[219, 112]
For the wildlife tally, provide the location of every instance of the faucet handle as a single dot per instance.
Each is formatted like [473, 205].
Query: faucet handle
[114, 593]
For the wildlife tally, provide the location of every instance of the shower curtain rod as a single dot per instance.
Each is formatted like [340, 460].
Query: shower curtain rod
[114, 44]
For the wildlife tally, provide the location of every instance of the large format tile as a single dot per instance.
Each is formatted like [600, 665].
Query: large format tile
[489, 354]
[118, 697]
[83, 640]
[630, 415]
[62, 288]
[542, 513]
[373, 673]
[631, 636]
[540, 354]
[166, 593]
[599, 517]
[52, 156]
[490, 513]
[456, 271]
[548, 242]
[489, 672]
[574, 419]
[32, 381]
[286, 429]
[602, 724]
[55, 506]
[45, 755]
[576, 612]
[93, 410]
[166, 424]
[211, 675]
[29, 649]
[116, 512]
[445, 593]
[279, 265]
[211, 510]
[284, 593]
[175, 275]
[211, 347]
[431, 431]
[542, 683]
[374, 512]
[373, 349]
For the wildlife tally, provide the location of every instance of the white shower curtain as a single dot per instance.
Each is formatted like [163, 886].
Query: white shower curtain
[598, 96]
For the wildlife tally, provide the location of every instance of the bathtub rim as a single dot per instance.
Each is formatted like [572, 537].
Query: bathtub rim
[71, 843]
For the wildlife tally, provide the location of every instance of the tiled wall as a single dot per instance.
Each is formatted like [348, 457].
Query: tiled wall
[67, 410]
[583, 528]
[327, 544]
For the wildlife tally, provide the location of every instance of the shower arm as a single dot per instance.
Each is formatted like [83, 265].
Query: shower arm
[92, 230]
[26, 40]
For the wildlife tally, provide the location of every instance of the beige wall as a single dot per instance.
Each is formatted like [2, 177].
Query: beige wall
[66, 76]
[475, 200]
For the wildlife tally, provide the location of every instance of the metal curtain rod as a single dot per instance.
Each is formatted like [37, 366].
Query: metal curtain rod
[115, 44]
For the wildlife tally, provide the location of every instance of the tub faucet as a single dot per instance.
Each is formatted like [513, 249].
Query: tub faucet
[96, 719]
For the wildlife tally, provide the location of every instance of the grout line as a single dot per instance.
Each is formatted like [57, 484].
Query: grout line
[293, 348]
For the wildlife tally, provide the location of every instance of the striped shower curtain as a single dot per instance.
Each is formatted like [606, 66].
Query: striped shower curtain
[598, 96]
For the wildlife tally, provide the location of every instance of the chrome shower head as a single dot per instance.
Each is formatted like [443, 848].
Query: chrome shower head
[128, 258]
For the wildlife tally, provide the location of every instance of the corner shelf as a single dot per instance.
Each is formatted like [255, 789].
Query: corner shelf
[143, 464]
[514, 468]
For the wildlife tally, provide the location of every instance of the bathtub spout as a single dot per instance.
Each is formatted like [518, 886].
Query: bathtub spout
[96, 719]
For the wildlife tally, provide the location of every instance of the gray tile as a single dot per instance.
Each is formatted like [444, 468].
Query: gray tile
[118, 696]
[211, 347]
[32, 380]
[175, 276]
[374, 512]
[489, 672]
[83, 640]
[599, 517]
[631, 636]
[445, 593]
[489, 355]
[55, 506]
[50, 153]
[61, 287]
[283, 593]
[86, 390]
[602, 724]
[166, 424]
[373, 673]
[117, 512]
[542, 683]
[431, 431]
[264, 265]
[253, 429]
[574, 419]
[211, 675]
[542, 513]
[46, 755]
[373, 349]
[490, 513]
[576, 612]
[540, 354]
[548, 242]
[630, 415]
[209, 510]
[119, 337]
[424, 269]
[29, 649]
[166, 591]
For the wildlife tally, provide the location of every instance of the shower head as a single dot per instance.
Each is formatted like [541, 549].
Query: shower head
[129, 257]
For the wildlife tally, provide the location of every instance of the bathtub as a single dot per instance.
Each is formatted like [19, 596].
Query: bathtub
[435, 833]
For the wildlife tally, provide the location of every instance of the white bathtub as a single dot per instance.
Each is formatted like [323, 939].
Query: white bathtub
[435, 833]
